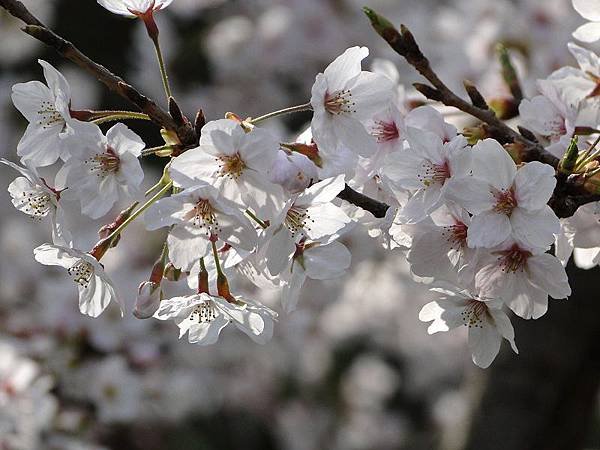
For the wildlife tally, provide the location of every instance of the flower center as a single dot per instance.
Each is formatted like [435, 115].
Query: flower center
[434, 173]
[81, 272]
[203, 216]
[48, 116]
[36, 204]
[205, 312]
[456, 234]
[513, 259]
[297, 220]
[473, 314]
[506, 202]
[340, 102]
[103, 164]
[558, 127]
[231, 166]
[385, 131]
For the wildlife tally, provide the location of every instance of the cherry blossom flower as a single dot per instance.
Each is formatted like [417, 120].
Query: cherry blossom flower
[343, 98]
[103, 169]
[199, 215]
[506, 201]
[148, 300]
[523, 277]
[439, 249]
[33, 196]
[485, 318]
[551, 116]
[579, 83]
[134, 8]
[95, 288]
[424, 169]
[590, 10]
[315, 261]
[236, 163]
[47, 108]
[580, 236]
[203, 317]
[309, 214]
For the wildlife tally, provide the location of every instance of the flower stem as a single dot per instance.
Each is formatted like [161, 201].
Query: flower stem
[216, 258]
[256, 219]
[142, 208]
[162, 67]
[155, 150]
[119, 115]
[281, 112]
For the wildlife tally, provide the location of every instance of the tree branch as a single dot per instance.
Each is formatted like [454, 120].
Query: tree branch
[39, 31]
[377, 208]
[569, 193]
[403, 43]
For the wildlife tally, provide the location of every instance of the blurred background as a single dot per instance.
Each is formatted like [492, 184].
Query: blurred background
[352, 368]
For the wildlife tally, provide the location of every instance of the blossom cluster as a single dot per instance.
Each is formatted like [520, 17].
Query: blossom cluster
[471, 218]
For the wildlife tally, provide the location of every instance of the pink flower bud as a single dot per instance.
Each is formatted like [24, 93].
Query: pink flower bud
[147, 300]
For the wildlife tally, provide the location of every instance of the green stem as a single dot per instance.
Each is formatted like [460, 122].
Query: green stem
[142, 208]
[120, 115]
[588, 156]
[256, 219]
[153, 150]
[162, 67]
[281, 112]
[216, 257]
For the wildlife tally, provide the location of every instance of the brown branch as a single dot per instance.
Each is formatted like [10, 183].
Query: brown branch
[403, 43]
[377, 208]
[569, 194]
[39, 31]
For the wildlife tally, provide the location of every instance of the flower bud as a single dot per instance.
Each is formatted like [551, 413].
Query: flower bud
[311, 151]
[223, 288]
[107, 229]
[505, 108]
[101, 248]
[569, 159]
[148, 300]
[475, 134]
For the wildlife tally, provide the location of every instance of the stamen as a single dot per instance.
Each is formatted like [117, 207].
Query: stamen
[506, 201]
[340, 102]
[385, 131]
[49, 116]
[297, 220]
[513, 259]
[37, 204]
[231, 166]
[205, 312]
[456, 235]
[203, 216]
[81, 272]
[103, 164]
[434, 173]
[473, 314]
